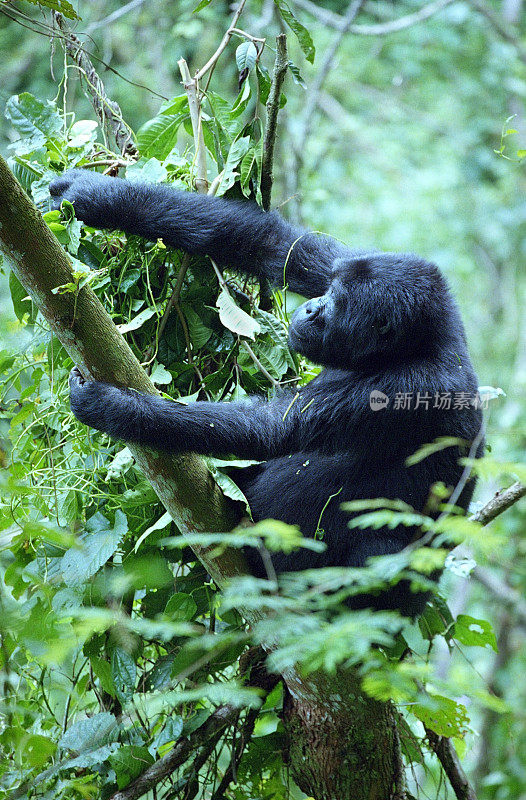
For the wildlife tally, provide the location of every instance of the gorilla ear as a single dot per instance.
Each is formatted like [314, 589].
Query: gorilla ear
[361, 267]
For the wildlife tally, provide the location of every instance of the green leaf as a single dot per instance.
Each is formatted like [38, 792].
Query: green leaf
[181, 607]
[123, 673]
[33, 119]
[296, 76]
[22, 303]
[199, 332]
[98, 543]
[102, 670]
[474, 632]
[38, 749]
[202, 4]
[442, 715]
[301, 32]
[234, 318]
[88, 734]
[159, 135]
[247, 166]
[68, 508]
[264, 82]
[160, 375]
[147, 169]
[237, 151]
[246, 55]
[138, 321]
[57, 5]
[120, 465]
[162, 523]
[129, 762]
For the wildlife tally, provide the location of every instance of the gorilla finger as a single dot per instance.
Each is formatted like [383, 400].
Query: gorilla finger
[76, 378]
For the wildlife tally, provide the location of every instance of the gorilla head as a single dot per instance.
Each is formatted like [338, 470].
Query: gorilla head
[377, 309]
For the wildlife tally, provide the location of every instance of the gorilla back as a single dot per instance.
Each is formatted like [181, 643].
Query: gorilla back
[397, 374]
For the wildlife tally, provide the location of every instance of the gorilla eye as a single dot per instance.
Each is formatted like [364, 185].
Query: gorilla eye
[384, 325]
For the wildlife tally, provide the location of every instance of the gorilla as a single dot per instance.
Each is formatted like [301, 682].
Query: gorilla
[396, 375]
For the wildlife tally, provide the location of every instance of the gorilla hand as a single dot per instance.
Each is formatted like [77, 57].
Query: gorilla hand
[95, 197]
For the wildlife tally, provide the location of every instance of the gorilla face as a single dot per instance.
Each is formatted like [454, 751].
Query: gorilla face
[377, 309]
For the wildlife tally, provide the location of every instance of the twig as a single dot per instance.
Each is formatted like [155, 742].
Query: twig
[312, 97]
[108, 111]
[182, 750]
[259, 365]
[223, 43]
[381, 29]
[190, 85]
[503, 28]
[280, 70]
[115, 15]
[502, 592]
[499, 503]
[237, 752]
[447, 755]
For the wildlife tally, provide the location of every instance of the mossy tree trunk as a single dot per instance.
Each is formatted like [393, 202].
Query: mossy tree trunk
[341, 743]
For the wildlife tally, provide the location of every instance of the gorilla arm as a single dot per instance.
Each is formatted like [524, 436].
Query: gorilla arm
[237, 234]
[255, 429]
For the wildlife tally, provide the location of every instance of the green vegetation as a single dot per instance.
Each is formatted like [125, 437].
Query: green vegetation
[116, 647]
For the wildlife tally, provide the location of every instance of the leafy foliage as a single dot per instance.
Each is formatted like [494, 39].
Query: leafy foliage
[115, 643]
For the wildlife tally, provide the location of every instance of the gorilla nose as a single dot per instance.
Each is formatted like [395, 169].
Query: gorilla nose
[312, 308]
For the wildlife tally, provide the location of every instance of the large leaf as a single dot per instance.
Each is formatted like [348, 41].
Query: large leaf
[159, 135]
[234, 318]
[301, 32]
[91, 733]
[246, 55]
[57, 5]
[33, 119]
[98, 543]
[237, 152]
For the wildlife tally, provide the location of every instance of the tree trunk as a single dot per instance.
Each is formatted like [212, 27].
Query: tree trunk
[341, 743]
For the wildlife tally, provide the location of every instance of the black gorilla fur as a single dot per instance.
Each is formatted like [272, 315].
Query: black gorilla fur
[377, 321]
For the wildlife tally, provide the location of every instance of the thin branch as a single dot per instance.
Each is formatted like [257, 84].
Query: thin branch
[115, 15]
[190, 85]
[314, 91]
[280, 70]
[108, 111]
[224, 41]
[502, 592]
[447, 755]
[182, 750]
[499, 503]
[504, 29]
[380, 29]
[237, 752]
[43, 29]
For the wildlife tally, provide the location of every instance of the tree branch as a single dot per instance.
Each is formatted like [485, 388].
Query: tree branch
[182, 750]
[194, 105]
[447, 755]
[108, 111]
[504, 29]
[280, 70]
[88, 333]
[380, 29]
[499, 503]
[223, 43]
